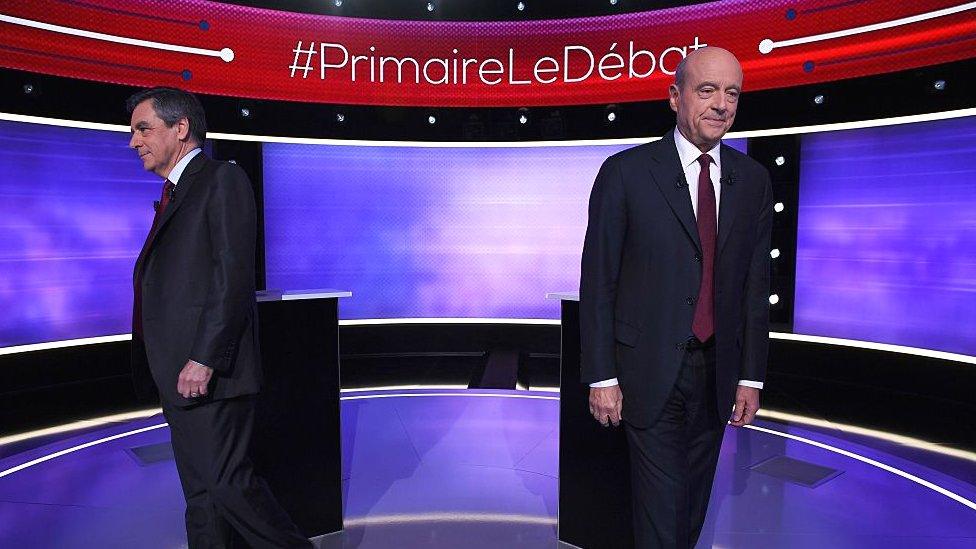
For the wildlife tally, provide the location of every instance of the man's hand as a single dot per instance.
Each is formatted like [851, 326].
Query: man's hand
[606, 404]
[746, 406]
[193, 379]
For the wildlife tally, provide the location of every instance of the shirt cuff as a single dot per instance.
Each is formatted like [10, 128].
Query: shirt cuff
[749, 383]
[604, 383]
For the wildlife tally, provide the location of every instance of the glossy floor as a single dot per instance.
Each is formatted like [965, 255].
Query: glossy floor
[473, 469]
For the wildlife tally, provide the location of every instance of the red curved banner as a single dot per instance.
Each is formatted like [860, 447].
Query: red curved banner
[222, 49]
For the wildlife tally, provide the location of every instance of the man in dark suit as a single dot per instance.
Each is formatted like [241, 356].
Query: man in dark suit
[194, 323]
[674, 298]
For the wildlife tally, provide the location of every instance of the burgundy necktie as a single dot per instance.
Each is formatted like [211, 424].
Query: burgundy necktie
[704, 324]
[168, 187]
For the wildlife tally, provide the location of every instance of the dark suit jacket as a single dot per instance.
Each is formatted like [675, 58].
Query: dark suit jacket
[641, 271]
[198, 286]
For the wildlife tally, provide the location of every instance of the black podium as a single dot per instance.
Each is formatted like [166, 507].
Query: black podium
[296, 435]
[594, 467]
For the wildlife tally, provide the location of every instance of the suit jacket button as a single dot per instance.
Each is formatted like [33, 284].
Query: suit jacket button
[690, 301]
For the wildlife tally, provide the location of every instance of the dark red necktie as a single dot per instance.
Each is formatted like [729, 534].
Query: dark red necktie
[168, 188]
[704, 324]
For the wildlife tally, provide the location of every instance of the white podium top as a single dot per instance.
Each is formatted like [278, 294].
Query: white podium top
[292, 295]
[563, 296]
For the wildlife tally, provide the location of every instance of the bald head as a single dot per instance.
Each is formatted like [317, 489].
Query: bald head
[705, 94]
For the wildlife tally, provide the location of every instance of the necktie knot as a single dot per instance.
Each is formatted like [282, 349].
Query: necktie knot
[705, 160]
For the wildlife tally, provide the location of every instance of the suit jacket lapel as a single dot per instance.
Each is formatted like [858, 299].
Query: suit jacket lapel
[670, 178]
[182, 189]
[729, 205]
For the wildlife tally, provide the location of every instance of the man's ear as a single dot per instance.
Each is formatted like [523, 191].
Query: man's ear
[183, 129]
[673, 97]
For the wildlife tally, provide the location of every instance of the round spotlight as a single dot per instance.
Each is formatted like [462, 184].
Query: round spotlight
[430, 7]
[340, 118]
[819, 99]
[613, 2]
[611, 116]
[773, 299]
[523, 119]
[939, 85]
[338, 3]
[780, 160]
[245, 112]
[778, 207]
[774, 253]
[431, 120]
[520, 6]
[28, 89]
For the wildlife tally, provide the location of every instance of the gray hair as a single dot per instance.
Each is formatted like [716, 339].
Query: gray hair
[172, 104]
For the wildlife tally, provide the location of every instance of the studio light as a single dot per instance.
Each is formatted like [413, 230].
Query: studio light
[939, 85]
[338, 3]
[431, 120]
[340, 118]
[779, 207]
[611, 112]
[245, 112]
[773, 299]
[774, 253]
[28, 89]
[520, 6]
[780, 160]
[819, 99]
[613, 2]
[430, 7]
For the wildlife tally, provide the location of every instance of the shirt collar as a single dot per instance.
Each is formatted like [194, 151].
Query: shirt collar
[177, 171]
[688, 153]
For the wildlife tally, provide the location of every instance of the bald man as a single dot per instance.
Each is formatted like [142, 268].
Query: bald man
[674, 312]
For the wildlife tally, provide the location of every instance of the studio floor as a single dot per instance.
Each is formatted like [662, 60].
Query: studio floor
[477, 468]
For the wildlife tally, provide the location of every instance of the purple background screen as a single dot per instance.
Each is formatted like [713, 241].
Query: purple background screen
[430, 232]
[75, 207]
[886, 247]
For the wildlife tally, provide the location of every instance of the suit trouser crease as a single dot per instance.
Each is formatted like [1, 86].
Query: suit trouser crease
[673, 461]
[223, 493]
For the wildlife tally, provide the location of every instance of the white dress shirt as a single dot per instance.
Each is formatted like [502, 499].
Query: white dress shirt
[177, 172]
[688, 155]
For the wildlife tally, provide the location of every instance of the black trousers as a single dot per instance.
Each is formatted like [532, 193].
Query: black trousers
[673, 461]
[226, 502]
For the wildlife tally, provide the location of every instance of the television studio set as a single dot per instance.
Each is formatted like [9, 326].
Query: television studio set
[498, 274]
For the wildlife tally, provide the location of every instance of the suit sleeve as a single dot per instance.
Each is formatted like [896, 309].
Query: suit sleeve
[231, 220]
[600, 270]
[755, 343]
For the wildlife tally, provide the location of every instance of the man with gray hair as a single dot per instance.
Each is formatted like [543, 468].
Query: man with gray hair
[674, 313]
[194, 324]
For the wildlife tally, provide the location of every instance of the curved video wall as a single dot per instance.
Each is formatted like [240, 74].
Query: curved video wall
[886, 236]
[431, 232]
[75, 208]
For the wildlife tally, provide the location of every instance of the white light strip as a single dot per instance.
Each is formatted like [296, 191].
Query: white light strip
[928, 353]
[73, 449]
[82, 424]
[384, 321]
[902, 440]
[64, 343]
[893, 470]
[404, 388]
[448, 516]
[225, 54]
[795, 130]
[768, 45]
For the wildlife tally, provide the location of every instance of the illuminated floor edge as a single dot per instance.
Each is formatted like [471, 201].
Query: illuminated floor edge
[450, 468]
